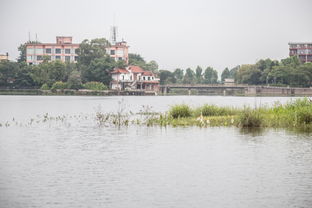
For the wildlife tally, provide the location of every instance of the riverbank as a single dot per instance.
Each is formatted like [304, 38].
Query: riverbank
[82, 92]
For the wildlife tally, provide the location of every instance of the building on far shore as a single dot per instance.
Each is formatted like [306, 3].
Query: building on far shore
[4, 56]
[63, 50]
[119, 51]
[66, 51]
[301, 49]
[134, 78]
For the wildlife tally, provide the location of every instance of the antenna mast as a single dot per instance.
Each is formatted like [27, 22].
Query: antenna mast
[114, 32]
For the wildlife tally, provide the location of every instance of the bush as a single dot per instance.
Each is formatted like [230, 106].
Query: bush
[251, 118]
[45, 87]
[95, 86]
[213, 110]
[180, 111]
[304, 115]
[59, 86]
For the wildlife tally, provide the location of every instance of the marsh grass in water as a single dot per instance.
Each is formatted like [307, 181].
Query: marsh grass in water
[295, 114]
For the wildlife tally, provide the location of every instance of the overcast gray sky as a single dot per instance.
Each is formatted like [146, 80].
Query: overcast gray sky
[175, 33]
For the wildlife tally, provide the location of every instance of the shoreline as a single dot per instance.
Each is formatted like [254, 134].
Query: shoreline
[83, 92]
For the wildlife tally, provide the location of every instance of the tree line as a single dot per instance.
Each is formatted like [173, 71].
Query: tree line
[287, 72]
[93, 65]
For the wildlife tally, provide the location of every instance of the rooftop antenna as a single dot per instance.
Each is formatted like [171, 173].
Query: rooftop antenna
[113, 32]
[28, 36]
[36, 38]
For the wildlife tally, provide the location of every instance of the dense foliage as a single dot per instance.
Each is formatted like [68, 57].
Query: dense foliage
[95, 65]
[208, 76]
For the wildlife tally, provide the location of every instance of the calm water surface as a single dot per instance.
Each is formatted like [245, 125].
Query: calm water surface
[76, 163]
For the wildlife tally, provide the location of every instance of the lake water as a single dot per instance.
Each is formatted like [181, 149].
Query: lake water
[71, 161]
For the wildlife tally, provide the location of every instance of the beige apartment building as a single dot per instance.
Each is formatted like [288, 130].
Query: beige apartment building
[63, 50]
[4, 56]
[66, 51]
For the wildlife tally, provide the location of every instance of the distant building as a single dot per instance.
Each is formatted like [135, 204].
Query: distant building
[4, 56]
[229, 82]
[119, 51]
[63, 50]
[134, 77]
[302, 50]
[66, 51]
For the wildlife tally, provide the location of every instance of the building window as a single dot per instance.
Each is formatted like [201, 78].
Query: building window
[39, 58]
[67, 58]
[48, 50]
[58, 50]
[76, 58]
[29, 58]
[76, 51]
[143, 78]
[67, 50]
[57, 57]
[30, 51]
[112, 52]
[149, 78]
[39, 50]
[119, 58]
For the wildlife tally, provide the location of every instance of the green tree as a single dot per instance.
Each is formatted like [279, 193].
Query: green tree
[74, 80]
[91, 50]
[248, 74]
[199, 75]
[98, 70]
[8, 73]
[225, 74]
[189, 77]
[152, 66]
[166, 77]
[210, 76]
[178, 75]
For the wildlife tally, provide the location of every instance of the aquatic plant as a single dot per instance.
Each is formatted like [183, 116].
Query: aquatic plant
[250, 118]
[180, 111]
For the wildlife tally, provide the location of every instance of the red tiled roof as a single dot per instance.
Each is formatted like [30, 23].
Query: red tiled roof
[148, 73]
[136, 69]
[119, 71]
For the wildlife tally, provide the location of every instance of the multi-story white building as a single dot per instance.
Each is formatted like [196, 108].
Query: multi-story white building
[119, 51]
[63, 50]
[302, 50]
[4, 57]
[66, 51]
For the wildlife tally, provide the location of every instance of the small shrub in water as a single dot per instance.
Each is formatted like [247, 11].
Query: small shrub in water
[250, 118]
[180, 111]
[304, 115]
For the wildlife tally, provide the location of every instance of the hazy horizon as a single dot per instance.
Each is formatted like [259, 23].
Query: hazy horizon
[176, 34]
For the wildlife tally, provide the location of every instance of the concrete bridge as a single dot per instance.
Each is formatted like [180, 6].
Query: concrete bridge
[237, 89]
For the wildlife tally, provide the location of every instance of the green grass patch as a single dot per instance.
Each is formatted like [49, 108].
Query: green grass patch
[292, 115]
